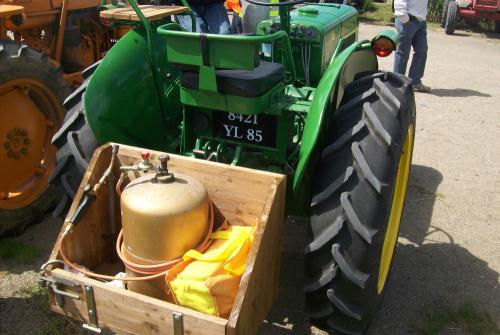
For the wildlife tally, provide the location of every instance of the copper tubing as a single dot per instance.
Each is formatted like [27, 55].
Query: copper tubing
[104, 277]
[151, 271]
[121, 180]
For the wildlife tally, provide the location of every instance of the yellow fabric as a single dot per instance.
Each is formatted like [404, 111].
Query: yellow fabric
[208, 282]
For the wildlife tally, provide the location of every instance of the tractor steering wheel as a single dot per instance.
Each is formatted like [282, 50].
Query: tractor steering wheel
[272, 4]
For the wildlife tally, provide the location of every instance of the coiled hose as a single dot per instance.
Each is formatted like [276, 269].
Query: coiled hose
[150, 271]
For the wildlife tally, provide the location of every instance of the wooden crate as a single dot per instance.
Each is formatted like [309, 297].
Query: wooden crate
[243, 196]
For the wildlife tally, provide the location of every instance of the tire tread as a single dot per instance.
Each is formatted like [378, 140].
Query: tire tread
[355, 178]
[75, 144]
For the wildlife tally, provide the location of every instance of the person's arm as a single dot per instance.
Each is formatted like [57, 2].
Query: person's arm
[401, 10]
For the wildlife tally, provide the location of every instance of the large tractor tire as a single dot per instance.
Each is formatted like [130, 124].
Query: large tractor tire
[75, 144]
[497, 27]
[32, 90]
[357, 201]
[451, 17]
[444, 13]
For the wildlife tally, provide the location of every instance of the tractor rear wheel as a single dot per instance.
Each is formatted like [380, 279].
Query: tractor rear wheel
[32, 90]
[497, 27]
[451, 17]
[75, 144]
[357, 201]
[444, 13]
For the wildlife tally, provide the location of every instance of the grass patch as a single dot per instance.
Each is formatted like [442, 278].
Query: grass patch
[434, 9]
[18, 251]
[52, 324]
[31, 291]
[379, 13]
[382, 13]
[59, 325]
[465, 317]
[53, 327]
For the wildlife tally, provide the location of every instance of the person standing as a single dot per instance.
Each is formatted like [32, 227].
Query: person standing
[236, 22]
[411, 25]
[211, 16]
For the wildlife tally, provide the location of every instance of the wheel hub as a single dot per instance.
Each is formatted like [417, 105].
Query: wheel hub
[28, 113]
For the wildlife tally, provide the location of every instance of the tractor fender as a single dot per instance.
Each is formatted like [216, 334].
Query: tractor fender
[357, 58]
[122, 102]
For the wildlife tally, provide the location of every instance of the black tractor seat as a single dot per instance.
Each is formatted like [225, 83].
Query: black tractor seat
[245, 83]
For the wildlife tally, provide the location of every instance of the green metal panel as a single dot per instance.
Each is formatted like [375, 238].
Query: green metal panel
[327, 15]
[315, 29]
[357, 58]
[121, 101]
[232, 103]
[222, 54]
[224, 51]
[204, 99]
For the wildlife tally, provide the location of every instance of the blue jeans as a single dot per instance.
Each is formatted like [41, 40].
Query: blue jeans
[209, 19]
[412, 33]
[236, 24]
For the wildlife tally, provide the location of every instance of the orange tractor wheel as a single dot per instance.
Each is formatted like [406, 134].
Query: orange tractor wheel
[32, 90]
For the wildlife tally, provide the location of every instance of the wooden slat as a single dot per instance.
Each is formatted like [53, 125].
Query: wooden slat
[150, 12]
[7, 11]
[132, 312]
[129, 13]
[96, 223]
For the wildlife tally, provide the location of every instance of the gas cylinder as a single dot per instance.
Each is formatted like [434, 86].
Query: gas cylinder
[163, 216]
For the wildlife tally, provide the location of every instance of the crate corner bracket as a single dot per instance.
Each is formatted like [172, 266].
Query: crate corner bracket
[92, 325]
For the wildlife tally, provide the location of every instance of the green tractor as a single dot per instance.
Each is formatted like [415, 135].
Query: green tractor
[303, 97]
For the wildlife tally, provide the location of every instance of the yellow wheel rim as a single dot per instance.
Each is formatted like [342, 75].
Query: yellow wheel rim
[391, 234]
[30, 113]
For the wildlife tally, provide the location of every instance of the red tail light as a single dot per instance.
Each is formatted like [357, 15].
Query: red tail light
[383, 46]
[105, 21]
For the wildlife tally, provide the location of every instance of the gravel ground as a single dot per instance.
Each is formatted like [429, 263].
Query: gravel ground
[449, 249]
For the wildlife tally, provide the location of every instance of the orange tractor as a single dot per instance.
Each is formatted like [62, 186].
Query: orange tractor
[44, 46]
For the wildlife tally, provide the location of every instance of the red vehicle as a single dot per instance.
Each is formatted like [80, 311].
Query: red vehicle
[472, 9]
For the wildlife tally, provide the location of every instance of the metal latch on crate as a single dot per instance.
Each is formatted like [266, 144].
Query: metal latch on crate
[178, 323]
[92, 326]
[55, 283]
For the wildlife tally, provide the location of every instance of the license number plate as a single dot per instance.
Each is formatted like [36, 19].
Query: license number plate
[254, 129]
